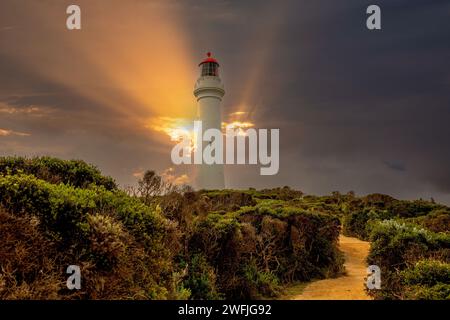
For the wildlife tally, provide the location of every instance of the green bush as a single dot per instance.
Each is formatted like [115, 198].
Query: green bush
[118, 238]
[437, 220]
[437, 292]
[201, 279]
[256, 249]
[428, 273]
[358, 223]
[427, 280]
[258, 284]
[355, 224]
[394, 241]
[416, 208]
[62, 207]
[107, 240]
[76, 173]
[397, 246]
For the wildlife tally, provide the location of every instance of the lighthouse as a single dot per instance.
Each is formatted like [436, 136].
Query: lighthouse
[209, 92]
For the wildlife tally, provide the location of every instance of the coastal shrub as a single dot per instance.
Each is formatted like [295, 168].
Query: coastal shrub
[255, 250]
[124, 247]
[398, 246]
[356, 224]
[201, 279]
[76, 173]
[427, 280]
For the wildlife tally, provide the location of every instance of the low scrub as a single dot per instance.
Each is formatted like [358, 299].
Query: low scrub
[252, 252]
[164, 242]
[176, 245]
[124, 248]
[71, 172]
[414, 261]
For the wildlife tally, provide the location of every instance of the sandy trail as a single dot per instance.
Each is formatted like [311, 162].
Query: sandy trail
[347, 287]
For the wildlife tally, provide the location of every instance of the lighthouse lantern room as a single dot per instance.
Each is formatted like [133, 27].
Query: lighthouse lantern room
[210, 66]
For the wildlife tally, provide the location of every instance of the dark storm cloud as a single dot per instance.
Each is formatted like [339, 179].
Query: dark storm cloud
[357, 109]
[396, 165]
[349, 102]
[372, 96]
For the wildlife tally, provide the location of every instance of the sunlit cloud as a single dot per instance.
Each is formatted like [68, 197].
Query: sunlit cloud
[240, 116]
[238, 113]
[169, 175]
[175, 128]
[238, 122]
[14, 110]
[6, 132]
[138, 174]
[237, 127]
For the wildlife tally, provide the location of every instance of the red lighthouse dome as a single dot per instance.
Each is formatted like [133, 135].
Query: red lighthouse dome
[210, 66]
[209, 59]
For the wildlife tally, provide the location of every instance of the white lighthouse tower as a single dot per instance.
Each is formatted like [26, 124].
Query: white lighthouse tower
[209, 92]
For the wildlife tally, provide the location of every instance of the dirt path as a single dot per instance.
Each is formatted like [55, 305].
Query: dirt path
[347, 287]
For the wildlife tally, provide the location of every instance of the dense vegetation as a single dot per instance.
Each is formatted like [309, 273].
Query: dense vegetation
[123, 247]
[241, 246]
[157, 242]
[410, 242]
[160, 241]
[76, 173]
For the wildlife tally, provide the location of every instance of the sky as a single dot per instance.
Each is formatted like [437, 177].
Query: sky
[359, 110]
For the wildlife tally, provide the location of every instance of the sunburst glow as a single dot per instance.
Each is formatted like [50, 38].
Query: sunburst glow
[128, 68]
[176, 129]
[238, 127]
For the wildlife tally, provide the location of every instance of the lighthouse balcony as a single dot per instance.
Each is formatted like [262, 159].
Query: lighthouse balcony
[209, 81]
[210, 84]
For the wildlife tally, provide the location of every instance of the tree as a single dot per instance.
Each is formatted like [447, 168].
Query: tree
[150, 185]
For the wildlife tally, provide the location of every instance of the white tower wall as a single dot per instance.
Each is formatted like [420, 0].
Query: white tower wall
[209, 92]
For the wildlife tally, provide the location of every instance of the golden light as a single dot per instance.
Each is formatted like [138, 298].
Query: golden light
[237, 127]
[238, 113]
[133, 59]
[6, 132]
[176, 129]
[170, 176]
[125, 65]
[239, 122]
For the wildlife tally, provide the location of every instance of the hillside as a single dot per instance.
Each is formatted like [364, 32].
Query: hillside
[159, 241]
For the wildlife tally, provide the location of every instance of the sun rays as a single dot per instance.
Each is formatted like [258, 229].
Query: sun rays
[132, 64]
